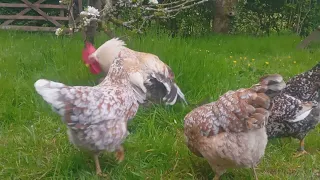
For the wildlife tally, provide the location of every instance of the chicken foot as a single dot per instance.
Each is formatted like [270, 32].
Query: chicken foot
[216, 177]
[119, 157]
[255, 173]
[98, 169]
[219, 171]
[120, 154]
[301, 150]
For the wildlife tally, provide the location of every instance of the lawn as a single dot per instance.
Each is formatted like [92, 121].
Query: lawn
[33, 140]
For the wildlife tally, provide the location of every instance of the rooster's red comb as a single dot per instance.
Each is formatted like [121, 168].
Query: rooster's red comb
[87, 51]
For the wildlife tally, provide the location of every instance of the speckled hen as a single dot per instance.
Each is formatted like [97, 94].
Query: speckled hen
[290, 115]
[230, 132]
[152, 77]
[97, 116]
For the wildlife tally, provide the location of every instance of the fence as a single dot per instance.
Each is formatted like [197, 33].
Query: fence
[66, 14]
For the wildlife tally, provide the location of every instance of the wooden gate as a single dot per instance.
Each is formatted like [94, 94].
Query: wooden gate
[36, 6]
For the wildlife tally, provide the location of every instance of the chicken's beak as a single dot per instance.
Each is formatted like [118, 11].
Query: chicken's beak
[87, 65]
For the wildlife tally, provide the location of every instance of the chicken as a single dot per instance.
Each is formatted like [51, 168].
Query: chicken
[230, 132]
[96, 116]
[290, 114]
[152, 77]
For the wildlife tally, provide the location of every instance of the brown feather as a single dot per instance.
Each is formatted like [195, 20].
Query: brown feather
[230, 132]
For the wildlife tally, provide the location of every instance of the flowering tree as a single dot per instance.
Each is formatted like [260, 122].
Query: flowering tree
[131, 14]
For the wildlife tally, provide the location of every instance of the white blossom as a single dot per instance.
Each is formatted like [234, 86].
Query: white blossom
[86, 21]
[148, 12]
[153, 2]
[88, 15]
[59, 31]
[93, 11]
[84, 13]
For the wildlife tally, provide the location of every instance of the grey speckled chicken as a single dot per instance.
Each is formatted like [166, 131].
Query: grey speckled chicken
[231, 133]
[290, 115]
[97, 116]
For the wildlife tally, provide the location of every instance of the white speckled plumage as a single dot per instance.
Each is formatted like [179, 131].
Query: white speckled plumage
[97, 116]
[230, 132]
[292, 114]
[305, 86]
[289, 108]
[152, 77]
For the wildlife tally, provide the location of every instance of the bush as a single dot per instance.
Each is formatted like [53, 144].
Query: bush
[262, 17]
[253, 17]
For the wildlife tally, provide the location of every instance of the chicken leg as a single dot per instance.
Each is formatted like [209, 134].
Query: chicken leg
[301, 149]
[98, 169]
[120, 154]
[255, 173]
[219, 171]
[216, 177]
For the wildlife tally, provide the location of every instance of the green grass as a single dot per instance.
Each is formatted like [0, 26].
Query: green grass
[33, 141]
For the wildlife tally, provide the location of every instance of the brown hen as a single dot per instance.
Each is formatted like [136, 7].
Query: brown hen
[231, 133]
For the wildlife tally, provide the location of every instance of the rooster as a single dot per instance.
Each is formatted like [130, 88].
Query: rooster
[231, 132]
[294, 113]
[96, 116]
[151, 77]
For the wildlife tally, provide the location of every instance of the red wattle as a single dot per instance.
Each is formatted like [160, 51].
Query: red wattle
[95, 68]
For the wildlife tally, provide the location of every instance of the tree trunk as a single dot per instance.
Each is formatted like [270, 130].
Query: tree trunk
[91, 29]
[75, 9]
[224, 10]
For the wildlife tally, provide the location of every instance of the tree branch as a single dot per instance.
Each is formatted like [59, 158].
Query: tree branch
[138, 14]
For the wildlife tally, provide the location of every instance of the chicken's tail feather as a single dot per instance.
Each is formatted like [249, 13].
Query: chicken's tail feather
[181, 95]
[164, 88]
[50, 92]
[174, 93]
[140, 95]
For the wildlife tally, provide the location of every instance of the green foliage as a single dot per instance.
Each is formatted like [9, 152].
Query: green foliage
[263, 17]
[34, 143]
[303, 16]
[195, 21]
[253, 17]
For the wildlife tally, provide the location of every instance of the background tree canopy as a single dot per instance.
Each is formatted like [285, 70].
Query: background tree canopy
[251, 17]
